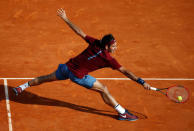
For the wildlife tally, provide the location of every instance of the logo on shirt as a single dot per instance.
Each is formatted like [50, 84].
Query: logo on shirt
[91, 57]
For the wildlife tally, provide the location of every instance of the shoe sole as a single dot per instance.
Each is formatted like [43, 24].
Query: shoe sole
[127, 119]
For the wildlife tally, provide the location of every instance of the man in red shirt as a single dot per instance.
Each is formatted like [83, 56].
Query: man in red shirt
[95, 56]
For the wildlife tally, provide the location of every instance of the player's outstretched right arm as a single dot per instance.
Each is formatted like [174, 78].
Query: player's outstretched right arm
[76, 29]
[130, 75]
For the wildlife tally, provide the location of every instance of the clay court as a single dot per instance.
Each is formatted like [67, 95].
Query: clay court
[155, 42]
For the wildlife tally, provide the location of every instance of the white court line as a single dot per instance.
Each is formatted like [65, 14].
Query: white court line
[8, 105]
[16, 78]
[166, 79]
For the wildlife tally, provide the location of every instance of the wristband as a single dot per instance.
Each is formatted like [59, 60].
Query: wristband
[140, 81]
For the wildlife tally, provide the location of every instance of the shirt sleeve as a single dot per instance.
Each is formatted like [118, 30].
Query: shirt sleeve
[114, 64]
[89, 39]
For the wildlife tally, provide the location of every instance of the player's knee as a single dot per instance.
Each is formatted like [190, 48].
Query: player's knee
[100, 88]
[105, 90]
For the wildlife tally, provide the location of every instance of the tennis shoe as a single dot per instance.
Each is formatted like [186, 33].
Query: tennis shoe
[17, 90]
[127, 116]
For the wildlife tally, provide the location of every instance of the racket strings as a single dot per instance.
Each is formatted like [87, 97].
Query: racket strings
[177, 91]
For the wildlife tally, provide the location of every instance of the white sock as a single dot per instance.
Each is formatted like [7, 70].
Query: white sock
[120, 109]
[24, 86]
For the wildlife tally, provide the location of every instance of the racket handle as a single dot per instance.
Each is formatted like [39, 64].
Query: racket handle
[153, 88]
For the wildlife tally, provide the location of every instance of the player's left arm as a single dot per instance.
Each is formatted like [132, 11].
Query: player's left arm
[133, 77]
[75, 28]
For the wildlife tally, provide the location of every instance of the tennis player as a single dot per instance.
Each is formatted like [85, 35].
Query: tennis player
[95, 56]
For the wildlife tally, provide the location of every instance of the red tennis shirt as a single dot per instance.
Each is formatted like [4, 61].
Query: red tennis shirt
[91, 59]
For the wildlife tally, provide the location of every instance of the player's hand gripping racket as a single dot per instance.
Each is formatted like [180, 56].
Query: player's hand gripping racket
[178, 94]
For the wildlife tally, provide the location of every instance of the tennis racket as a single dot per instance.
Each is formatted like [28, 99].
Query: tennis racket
[178, 94]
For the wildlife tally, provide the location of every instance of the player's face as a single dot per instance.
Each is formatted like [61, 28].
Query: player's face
[112, 48]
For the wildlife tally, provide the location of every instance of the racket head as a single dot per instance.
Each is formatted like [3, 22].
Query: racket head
[178, 90]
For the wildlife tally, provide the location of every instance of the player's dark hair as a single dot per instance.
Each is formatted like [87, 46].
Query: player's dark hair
[106, 39]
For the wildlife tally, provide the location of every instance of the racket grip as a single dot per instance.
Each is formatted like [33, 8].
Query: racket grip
[153, 88]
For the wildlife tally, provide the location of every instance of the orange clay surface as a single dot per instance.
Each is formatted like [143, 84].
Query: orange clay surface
[155, 40]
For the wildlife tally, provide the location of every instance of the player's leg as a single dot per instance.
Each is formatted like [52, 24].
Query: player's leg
[91, 83]
[42, 79]
[36, 81]
[59, 74]
[109, 99]
[103, 90]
